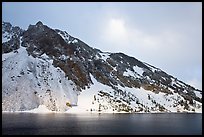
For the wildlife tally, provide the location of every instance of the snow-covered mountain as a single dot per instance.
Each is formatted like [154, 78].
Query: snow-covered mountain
[47, 67]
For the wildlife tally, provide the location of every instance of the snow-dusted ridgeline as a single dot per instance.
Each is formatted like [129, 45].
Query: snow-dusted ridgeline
[46, 70]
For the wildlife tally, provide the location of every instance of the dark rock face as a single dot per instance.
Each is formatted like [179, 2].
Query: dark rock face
[70, 57]
[78, 61]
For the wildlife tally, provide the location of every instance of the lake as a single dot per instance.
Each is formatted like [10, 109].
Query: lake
[102, 124]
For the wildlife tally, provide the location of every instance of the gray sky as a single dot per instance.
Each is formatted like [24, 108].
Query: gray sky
[166, 35]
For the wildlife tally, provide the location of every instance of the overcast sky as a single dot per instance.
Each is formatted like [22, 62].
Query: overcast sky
[165, 35]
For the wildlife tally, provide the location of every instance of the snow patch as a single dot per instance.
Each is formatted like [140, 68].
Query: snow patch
[63, 57]
[198, 94]
[40, 109]
[129, 73]
[6, 37]
[138, 70]
[75, 41]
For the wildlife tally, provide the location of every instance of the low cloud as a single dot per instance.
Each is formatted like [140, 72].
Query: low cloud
[171, 49]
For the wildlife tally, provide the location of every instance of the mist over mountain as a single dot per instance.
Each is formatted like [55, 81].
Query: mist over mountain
[42, 66]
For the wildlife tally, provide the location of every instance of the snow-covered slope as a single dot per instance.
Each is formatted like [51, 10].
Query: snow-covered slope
[102, 98]
[47, 69]
[28, 82]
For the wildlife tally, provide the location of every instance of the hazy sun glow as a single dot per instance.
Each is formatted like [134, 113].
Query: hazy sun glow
[116, 28]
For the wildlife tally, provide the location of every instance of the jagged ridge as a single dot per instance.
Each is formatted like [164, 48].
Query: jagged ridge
[79, 62]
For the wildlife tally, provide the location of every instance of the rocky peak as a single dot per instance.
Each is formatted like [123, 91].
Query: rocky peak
[10, 37]
[12, 30]
[39, 23]
[6, 27]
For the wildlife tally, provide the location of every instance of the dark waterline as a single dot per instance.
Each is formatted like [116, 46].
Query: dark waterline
[98, 124]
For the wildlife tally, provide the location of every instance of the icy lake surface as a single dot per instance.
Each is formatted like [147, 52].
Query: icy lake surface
[102, 124]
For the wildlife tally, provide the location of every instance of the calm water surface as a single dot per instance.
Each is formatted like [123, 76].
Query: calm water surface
[97, 124]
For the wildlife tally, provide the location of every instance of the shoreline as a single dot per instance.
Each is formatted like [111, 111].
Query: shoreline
[55, 112]
[42, 109]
